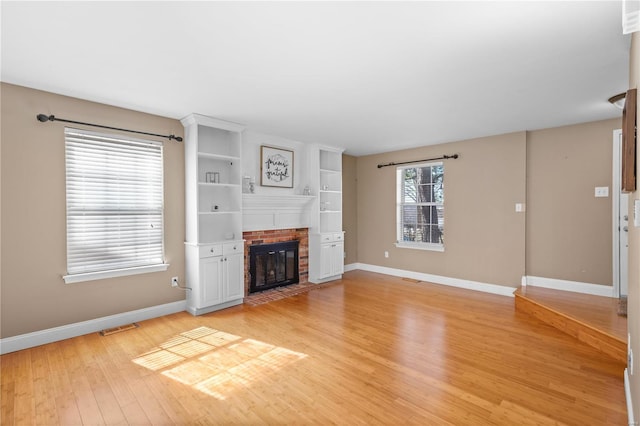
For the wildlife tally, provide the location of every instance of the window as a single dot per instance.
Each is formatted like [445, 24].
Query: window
[420, 206]
[114, 206]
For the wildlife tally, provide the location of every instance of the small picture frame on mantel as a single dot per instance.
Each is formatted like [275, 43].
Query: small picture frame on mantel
[276, 167]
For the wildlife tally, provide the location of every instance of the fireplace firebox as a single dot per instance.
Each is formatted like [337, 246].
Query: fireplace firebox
[273, 265]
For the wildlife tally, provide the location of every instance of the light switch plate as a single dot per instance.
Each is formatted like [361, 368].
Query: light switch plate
[636, 213]
[520, 207]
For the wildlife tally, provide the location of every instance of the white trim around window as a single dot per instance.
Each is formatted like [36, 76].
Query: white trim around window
[420, 246]
[91, 276]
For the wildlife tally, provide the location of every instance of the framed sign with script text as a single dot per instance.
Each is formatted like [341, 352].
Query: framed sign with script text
[276, 167]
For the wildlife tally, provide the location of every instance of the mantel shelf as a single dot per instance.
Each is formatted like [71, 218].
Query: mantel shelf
[259, 201]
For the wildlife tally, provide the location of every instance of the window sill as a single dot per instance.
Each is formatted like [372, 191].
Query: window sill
[421, 246]
[90, 276]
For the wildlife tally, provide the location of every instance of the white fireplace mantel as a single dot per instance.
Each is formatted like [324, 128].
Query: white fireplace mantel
[269, 212]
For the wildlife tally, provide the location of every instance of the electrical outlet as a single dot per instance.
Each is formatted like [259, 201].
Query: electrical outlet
[386, 254]
[602, 191]
[174, 282]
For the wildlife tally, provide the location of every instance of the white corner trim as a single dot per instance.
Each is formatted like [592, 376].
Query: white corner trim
[37, 338]
[436, 279]
[574, 286]
[627, 393]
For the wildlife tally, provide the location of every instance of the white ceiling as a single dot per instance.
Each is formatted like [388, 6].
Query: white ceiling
[367, 76]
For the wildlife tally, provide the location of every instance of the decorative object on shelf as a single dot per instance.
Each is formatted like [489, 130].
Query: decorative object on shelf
[252, 185]
[212, 177]
[276, 167]
[215, 207]
[325, 187]
[306, 191]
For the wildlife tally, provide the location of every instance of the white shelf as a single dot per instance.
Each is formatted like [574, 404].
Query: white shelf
[330, 171]
[219, 212]
[219, 185]
[217, 156]
[329, 191]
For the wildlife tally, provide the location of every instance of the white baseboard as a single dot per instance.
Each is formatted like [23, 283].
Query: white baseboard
[436, 279]
[351, 267]
[37, 338]
[574, 286]
[627, 393]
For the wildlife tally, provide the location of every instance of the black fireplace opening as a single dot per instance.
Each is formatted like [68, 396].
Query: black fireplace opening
[273, 265]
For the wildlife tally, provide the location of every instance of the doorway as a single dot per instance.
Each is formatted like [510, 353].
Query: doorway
[620, 222]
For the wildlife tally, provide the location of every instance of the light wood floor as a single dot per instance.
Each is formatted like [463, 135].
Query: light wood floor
[371, 349]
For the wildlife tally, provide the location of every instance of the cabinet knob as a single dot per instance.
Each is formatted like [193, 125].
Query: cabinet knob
[211, 250]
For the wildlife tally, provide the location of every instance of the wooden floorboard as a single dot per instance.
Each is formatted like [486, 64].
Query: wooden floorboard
[371, 349]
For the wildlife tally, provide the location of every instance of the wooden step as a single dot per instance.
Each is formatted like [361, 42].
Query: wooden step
[591, 319]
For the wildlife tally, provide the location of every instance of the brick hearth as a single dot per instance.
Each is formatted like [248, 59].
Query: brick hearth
[277, 236]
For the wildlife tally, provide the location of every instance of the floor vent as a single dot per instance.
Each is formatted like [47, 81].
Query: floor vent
[114, 330]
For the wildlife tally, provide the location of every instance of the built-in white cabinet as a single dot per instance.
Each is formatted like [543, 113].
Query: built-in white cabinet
[326, 238]
[330, 262]
[213, 213]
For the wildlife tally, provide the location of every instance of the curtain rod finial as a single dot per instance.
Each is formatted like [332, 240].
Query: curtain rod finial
[44, 118]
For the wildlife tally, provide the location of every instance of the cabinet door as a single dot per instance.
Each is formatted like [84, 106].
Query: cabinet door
[326, 258]
[337, 258]
[234, 277]
[210, 281]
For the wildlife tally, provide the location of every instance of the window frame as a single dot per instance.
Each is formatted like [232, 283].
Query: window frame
[417, 245]
[119, 142]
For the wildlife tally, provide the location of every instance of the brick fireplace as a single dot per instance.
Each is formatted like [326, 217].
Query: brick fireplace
[276, 236]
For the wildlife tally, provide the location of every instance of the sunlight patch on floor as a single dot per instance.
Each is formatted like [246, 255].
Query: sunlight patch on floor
[215, 362]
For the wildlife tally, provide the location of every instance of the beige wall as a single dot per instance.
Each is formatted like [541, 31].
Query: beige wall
[350, 208]
[633, 307]
[34, 296]
[484, 236]
[568, 229]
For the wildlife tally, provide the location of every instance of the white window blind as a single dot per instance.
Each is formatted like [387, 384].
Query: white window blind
[114, 202]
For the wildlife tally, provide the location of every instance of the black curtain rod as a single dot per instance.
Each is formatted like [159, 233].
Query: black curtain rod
[44, 118]
[444, 157]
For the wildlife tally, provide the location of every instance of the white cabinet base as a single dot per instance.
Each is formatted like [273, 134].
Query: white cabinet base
[326, 257]
[325, 280]
[195, 311]
[215, 276]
